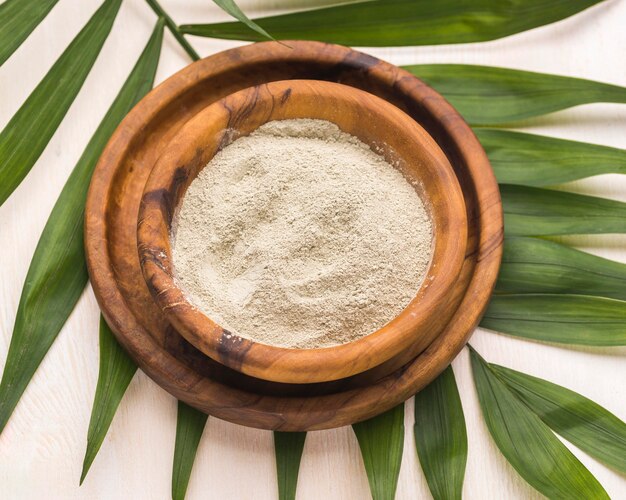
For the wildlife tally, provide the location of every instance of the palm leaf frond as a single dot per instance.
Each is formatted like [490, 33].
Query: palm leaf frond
[487, 95]
[116, 372]
[441, 436]
[381, 440]
[288, 447]
[26, 135]
[581, 421]
[58, 273]
[189, 428]
[173, 28]
[533, 265]
[531, 211]
[18, 19]
[403, 22]
[536, 160]
[527, 443]
[568, 319]
[116, 368]
[230, 7]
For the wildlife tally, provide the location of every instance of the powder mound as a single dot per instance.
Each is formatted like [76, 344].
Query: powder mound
[299, 235]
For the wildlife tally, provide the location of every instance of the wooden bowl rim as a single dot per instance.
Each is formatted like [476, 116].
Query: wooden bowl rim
[297, 413]
[163, 193]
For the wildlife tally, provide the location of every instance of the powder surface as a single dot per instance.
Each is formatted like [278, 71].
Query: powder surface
[299, 235]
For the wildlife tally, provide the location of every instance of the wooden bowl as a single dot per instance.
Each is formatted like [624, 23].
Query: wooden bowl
[376, 122]
[138, 324]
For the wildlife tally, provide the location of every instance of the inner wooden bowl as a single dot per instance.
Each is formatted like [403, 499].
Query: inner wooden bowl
[389, 131]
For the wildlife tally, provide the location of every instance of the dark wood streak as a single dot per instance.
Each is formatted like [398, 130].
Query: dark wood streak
[233, 349]
[242, 113]
[161, 196]
[155, 257]
[285, 96]
[179, 182]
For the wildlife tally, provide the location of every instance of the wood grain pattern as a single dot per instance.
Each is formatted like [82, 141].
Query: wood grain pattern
[121, 175]
[377, 123]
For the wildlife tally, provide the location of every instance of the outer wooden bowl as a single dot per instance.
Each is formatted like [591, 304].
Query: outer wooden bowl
[376, 122]
[111, 226]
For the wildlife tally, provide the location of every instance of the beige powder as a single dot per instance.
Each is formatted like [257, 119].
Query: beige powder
[299, 235]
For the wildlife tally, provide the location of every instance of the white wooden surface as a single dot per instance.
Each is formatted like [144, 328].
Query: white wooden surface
[41, 449]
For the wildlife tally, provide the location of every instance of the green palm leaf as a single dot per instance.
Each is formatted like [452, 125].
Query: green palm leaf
[568, 319]
[288, 447]
[530, 211]
[581, 421]
[58, 273]
[26, 135]
[441, 437]
[535, 160]
[487, 95]
[18, 18]
[230, 7]
[403, 22]
[532, 265]
[381, 440]
[116, 372]
[527, 443]
[189, 428]
[171, 26]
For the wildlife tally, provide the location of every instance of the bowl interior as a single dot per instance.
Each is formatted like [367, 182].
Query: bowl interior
[388, 131]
